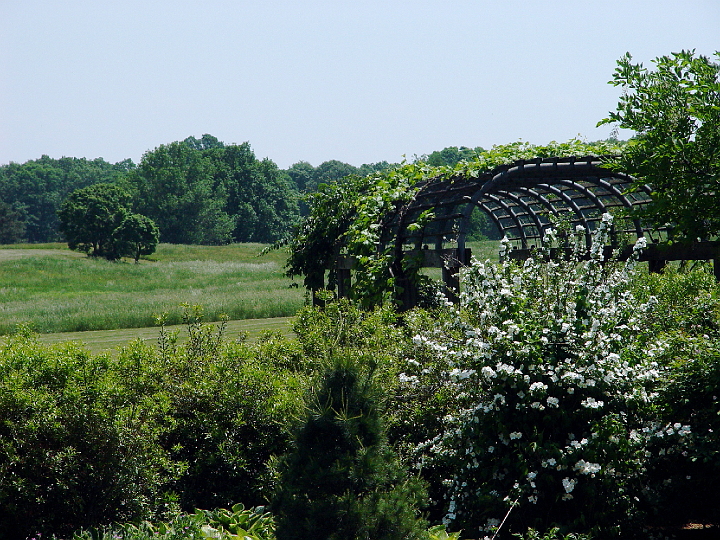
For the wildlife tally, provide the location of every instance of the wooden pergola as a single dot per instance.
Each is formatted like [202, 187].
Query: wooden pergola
[523, 199]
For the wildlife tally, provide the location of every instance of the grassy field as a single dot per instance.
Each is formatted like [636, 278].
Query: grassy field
[56, 290]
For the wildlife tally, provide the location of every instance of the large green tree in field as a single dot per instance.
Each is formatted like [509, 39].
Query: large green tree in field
[206, 192]
[97, 220]
[173, 185]
[136, 235]
[675, 111]
[260, 197]
[89, 217]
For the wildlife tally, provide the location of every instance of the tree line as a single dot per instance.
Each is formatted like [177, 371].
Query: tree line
[196, 191]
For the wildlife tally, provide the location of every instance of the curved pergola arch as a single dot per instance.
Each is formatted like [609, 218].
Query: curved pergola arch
[520, 198]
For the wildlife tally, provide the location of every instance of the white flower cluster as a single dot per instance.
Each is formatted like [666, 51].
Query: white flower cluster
[535, 347]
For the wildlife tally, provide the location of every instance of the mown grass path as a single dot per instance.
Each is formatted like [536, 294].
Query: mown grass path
[101, 341]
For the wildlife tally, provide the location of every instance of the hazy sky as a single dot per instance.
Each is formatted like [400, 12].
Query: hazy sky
[359, 81]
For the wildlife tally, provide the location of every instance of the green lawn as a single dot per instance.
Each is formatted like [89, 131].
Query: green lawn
[102, 341]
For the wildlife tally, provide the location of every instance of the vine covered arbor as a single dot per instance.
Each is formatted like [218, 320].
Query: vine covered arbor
[428, 225]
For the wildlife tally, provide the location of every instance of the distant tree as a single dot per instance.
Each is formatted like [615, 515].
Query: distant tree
[369, 168]
[90, 216]
[675, 112]
[329, 172]
[12, 228]
[301, 173]
[261, 198]
[136, 235]
[481, 227]
[206, 142]
[206, 192]
[452, 155]
[174, 186]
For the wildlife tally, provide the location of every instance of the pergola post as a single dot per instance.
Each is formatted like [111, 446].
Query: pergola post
[451, 281]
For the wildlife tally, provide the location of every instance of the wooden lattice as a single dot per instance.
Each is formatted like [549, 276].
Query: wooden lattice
[523, 199]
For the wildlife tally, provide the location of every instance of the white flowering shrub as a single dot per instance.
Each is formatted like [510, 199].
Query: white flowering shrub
[554, 380]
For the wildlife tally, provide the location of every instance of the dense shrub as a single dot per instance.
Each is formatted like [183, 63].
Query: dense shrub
[572, 394]
[88, 440]
[687, 301]
[78, 440]
[228, 418]
[554, 380]
[683, 475]
[228, 412]
[684, 478]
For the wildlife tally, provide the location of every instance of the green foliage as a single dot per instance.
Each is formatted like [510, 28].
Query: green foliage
[235, 524]
[12, 228]
[552, 534]
[206, 192]
[675, 112]
[36, 189]
[452, 155]
[96, 220]
[227, 416]
[78, 439]
[136, 236]
[481, 227]
[438, 532]
[342, 325]
[685, 478]
[688, 302]
[355, 216]
[341, 480]
[86, 441]
[173, 185]
[89, 217]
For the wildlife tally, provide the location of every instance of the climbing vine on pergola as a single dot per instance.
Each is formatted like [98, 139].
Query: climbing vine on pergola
[375, 233]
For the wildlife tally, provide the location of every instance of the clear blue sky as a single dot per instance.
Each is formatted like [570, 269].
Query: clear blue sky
[359, 81]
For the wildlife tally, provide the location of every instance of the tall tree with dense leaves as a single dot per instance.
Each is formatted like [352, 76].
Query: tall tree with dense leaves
[206, 142]
[260, 197]
[329, 172]
[12, 229]
[89, 217]
[37, 188]
[301, 173]
[206, 192]
[675, 111]
[173, 186]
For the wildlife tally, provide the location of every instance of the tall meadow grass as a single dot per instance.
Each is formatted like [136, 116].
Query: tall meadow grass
[55, 290]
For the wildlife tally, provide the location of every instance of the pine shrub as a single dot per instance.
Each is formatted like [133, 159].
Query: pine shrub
[342, 481]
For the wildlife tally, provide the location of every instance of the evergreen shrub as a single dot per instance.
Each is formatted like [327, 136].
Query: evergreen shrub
[342, 481]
